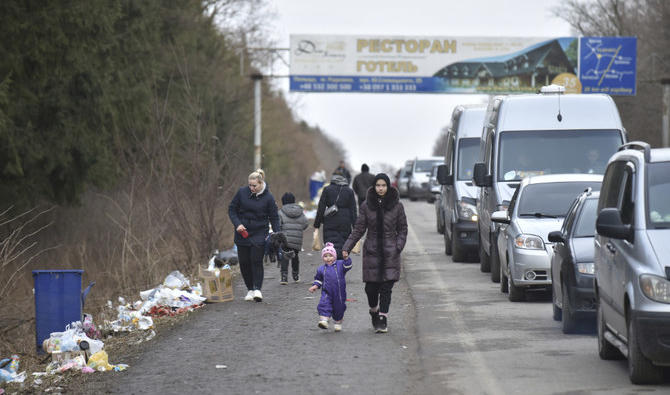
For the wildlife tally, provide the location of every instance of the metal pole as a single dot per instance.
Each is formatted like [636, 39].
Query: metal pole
[257, 119]
[666, 112]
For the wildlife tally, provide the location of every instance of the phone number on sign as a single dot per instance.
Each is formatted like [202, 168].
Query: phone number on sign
[387, 87]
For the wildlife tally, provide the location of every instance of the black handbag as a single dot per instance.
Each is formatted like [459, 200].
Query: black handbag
[332, 210]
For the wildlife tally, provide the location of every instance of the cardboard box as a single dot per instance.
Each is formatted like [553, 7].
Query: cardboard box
[216, 288]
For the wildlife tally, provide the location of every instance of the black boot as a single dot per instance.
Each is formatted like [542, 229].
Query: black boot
[375, 319]
[284, 278]
[296, 276]
[382, 326]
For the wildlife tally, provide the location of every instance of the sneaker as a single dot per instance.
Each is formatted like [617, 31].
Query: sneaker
[337, 327]
[323, 324]
[284, 279]
[258, 296]
[296, 277]
[250, 296]
[382, 327]
[375, 319]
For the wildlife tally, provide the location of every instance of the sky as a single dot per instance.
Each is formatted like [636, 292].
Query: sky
[377, 128]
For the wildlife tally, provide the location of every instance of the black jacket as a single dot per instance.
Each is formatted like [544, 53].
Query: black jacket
[254, 212]
[361, 184]
[336, 228]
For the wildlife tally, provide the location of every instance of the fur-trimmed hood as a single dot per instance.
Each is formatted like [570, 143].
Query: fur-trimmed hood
[389, 200]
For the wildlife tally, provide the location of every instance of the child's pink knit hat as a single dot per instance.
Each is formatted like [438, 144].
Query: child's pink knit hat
[328, 249]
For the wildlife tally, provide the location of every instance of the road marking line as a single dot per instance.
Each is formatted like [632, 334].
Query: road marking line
[484, 375]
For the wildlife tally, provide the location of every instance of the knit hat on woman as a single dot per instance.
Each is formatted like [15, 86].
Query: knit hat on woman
[328, 249]
[287, 198]
[382, 176]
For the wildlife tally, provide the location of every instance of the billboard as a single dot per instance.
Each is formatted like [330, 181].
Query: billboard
[488, 65]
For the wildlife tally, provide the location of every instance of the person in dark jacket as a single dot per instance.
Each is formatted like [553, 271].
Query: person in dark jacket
[362, 182]
[383, 217]
[342, 171]
[250, 211]
[293, 223]
[330, 278]
[336, 227]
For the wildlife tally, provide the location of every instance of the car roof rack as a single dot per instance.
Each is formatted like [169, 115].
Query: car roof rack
[639, 145]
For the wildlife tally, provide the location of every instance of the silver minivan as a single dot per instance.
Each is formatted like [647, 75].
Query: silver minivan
[419, 178]
[547, 133]
[632, 267]
[458, 201]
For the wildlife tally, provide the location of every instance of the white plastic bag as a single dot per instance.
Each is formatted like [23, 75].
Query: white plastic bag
[176, 280]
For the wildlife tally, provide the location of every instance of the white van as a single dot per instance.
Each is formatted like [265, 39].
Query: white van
[457, 216]
[547, 133]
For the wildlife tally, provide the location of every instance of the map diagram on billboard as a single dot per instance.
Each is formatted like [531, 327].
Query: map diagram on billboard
[607, 65]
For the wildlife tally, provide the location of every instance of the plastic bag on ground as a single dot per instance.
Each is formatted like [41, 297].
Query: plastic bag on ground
[176, 280]
[99, 361]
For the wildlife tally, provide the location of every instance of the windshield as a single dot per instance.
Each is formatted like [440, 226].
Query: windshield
[659, 190]
[468, 153]
[551, 199]
[586, 224]
[527, 153]
[425, 166]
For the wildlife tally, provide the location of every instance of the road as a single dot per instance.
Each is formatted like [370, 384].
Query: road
[451, 331]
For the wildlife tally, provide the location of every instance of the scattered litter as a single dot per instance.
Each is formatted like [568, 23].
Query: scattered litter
[404, 347]
[9, 371]
[221, 367]
[309, 297]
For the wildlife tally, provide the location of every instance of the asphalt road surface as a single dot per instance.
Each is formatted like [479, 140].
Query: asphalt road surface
[451, 331]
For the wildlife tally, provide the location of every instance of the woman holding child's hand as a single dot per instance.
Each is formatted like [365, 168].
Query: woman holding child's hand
[383, 217]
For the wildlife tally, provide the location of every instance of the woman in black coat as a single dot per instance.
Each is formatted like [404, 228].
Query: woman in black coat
[337, 227]
[250, 211]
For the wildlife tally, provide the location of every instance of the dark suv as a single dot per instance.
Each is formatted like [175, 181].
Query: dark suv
[573, 296]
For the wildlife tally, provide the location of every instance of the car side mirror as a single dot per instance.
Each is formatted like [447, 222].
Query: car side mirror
[442, 177]
[556, 237]
[480, 177]
[609, 224]
[500, 217]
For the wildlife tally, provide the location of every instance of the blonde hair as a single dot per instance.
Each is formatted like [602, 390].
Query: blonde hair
[258, 175]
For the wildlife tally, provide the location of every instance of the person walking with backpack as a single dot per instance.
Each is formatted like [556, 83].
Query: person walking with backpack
[250, 211]
[337, 212]
[383, 217]
[293, 223]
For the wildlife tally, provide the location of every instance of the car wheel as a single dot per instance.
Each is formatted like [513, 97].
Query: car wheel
[457, 249]
[515, 294]
[440, 222]
[495, 260]
[557, 312]
[447, 241]
[640, 369]
[484, 262]
[569, 322]
[606, 350]
[503, 280]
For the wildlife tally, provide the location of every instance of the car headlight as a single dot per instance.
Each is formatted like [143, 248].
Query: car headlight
[529, 242]
[585, 268]
[655, 288]
[466, 211]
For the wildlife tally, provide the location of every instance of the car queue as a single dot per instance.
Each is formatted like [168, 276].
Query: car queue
[526, 206]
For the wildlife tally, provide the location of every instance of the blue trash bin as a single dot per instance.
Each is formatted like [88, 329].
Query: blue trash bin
[58, 301]
[314, 186]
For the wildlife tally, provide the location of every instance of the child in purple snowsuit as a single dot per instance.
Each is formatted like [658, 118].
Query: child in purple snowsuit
[330, 278]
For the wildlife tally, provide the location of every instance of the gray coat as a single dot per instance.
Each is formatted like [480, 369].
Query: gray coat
[293, 223]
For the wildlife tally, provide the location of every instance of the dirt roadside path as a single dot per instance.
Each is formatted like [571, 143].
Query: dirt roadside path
[275, 347]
